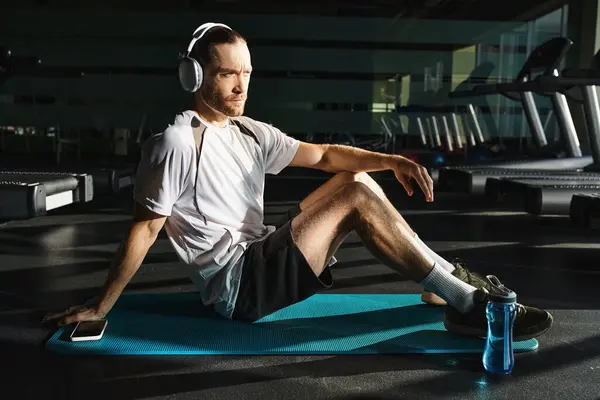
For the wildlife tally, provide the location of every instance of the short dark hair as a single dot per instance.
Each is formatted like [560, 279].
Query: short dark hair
[203, 50]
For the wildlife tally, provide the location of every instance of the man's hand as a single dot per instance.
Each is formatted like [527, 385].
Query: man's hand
[405, 170]
[74, 314]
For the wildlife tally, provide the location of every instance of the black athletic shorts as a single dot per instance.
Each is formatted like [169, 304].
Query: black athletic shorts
[275, 274]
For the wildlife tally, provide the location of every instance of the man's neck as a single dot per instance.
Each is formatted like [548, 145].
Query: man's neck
[210, 116]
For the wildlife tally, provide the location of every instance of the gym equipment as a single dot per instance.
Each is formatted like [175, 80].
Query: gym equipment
[585, 210]
[447, 112]
[502, 190]
[453, 110]
[544, 60]
[322, 324]
[483, 143]
[552, 193]
[554, 199]
[108, 178]
[550, 196]
[189, 69]
[473, 180]
[427, 138]
[28, 195]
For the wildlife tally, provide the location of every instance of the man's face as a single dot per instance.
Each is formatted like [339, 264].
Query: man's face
[226, 80]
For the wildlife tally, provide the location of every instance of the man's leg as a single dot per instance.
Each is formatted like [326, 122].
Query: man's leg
[343, 178]
[354, 206]
[334, 184]
[322, 226]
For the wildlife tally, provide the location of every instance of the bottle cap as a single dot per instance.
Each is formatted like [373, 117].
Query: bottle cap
[500, 293]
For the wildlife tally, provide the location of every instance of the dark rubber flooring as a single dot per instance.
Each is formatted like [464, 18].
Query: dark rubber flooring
[61, 259]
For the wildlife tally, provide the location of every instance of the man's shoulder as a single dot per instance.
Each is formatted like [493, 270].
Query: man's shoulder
[176, 136]
[248, 121]
[258, 128]
[184, 119]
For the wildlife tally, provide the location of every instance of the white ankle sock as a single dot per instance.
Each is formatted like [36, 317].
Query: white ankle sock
[457, 293]
[436, 257]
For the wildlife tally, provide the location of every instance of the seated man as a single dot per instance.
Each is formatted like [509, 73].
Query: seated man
[211, 205]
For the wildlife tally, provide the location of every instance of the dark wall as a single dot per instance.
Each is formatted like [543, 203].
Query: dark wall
[304, 66]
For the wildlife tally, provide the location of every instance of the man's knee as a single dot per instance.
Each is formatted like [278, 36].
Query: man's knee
[357, 193]
[348, 177]
[361, 177]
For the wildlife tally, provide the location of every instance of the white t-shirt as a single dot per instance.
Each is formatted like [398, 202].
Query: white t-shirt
[212, 237]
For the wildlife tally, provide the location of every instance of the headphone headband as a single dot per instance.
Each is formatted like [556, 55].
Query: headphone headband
[200, 31]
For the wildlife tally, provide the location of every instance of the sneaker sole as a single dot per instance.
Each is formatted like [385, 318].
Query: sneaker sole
[540, 329]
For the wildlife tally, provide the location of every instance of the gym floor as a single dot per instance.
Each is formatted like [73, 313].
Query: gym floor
[59, 260]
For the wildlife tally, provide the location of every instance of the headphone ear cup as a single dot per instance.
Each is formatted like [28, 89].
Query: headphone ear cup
[190, 74]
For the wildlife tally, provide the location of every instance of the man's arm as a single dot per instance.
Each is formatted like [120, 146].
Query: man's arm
[128, 258]
[141, 236]
[338, 158]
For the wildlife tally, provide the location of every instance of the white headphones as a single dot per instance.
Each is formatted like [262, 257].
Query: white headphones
[190, 70]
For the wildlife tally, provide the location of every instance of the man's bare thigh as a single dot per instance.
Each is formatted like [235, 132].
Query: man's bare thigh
[319, 229]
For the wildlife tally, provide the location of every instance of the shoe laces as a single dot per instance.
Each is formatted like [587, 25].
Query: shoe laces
[472, 278]
[458, 263]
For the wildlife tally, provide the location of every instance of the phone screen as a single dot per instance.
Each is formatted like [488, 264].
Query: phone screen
[89, 328]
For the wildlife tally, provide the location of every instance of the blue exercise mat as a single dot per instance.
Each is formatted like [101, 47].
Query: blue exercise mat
[175, 323]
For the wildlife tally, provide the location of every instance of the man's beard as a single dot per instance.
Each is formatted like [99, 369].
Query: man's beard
[215, 101]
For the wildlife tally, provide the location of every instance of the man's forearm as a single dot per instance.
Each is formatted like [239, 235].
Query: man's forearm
[338, 158]
[125, 264]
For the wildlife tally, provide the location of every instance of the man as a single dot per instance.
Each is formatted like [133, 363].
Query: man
[211, 205]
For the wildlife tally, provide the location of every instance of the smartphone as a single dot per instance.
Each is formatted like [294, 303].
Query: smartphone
[88, 330]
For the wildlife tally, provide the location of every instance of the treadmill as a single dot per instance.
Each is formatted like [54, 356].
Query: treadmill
[584, 209]
[544, 60]
[545, 192]
[108, 178]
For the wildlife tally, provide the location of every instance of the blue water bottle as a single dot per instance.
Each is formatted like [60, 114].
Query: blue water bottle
[501, 311]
